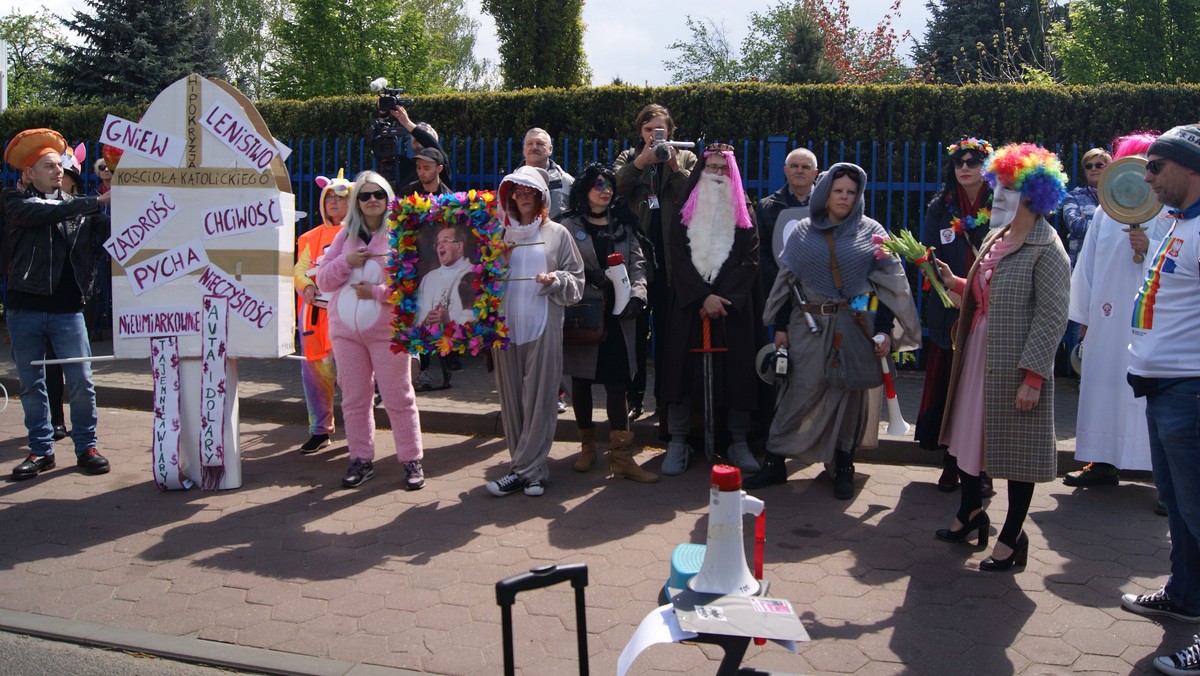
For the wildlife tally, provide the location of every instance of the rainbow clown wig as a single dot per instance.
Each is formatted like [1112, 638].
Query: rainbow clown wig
[1031, 170]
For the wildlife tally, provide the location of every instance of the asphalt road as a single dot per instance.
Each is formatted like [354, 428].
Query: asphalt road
[22, 655]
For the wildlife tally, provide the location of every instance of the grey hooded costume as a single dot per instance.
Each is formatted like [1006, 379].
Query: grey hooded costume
[814, 419]
[528, 374]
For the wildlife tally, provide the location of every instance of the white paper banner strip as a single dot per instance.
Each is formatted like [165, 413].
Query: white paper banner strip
[164, 360]
[149, 219]
[229, 127]
[166, 267]
[158, 321]
[244, 305]
[135, 138]
[245, 217]
[215, 318]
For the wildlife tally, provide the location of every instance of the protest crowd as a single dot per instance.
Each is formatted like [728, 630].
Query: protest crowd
[765, 323]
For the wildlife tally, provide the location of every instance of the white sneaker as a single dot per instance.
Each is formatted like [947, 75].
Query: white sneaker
[740, 456]
[534, 488]
[676, 459]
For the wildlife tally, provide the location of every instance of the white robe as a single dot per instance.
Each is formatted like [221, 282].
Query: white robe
[439, 288]
[1111, 423]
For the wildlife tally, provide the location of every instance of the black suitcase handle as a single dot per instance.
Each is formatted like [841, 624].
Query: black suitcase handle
[544, 576]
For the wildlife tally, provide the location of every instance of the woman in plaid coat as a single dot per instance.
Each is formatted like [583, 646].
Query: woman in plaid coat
[1000, 405]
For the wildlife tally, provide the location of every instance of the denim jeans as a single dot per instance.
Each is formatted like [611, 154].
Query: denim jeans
[30, 330]
[1173, 416]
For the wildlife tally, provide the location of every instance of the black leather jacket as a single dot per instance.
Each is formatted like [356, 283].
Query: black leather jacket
[38, 252]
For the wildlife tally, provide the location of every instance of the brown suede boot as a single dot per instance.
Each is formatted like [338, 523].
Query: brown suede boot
[587, 450]
[620, 458]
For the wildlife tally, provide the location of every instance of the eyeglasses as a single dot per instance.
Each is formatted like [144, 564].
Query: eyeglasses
[969, 162]
[1095, 165]
[716, 169]
[1155, 166]
[602, 185]
[525, 190]
[380, 195]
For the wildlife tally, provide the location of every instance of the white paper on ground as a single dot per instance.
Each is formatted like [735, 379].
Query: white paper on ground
[660, 626]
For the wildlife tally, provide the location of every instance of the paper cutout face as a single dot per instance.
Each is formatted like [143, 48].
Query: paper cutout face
[446, 273]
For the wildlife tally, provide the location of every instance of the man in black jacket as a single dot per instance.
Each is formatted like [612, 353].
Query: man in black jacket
[800, 169]
[50, 276]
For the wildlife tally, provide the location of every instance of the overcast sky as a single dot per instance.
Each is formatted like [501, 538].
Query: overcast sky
[628, 39]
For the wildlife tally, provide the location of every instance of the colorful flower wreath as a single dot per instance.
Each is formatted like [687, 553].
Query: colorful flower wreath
[970, 143]
[475, 211]
[963, 224]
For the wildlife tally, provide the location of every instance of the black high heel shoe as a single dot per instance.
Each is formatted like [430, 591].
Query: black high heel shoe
[979, 522]
[1019, 557]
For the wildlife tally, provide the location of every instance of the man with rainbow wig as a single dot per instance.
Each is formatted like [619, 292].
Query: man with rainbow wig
[1164, 367]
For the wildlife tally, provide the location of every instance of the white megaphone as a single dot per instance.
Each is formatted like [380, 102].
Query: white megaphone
[724, 570]
[897, 427]
[619, 275]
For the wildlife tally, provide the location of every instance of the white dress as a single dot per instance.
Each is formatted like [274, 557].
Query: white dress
[1111, 423]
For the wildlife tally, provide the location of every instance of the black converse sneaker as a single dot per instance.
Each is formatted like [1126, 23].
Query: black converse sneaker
[1158, 603]
[1182, 663]
[506, 485]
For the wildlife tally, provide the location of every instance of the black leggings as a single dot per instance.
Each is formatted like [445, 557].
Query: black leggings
[1020, 495]
[614, 403]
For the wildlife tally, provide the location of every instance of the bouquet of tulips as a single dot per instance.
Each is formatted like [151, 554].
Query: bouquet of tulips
[907, 247]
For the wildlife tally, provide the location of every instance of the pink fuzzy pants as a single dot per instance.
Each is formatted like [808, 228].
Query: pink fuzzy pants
[358, 364]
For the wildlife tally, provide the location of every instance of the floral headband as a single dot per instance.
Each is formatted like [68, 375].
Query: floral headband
[979, 145]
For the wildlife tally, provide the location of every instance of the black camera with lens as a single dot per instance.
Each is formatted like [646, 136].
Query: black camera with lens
[386, 132]
[662, 147]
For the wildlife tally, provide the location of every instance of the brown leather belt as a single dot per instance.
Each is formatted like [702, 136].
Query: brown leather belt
[827, 308]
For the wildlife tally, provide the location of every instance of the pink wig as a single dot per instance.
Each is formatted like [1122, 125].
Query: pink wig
[1136, 143]
[741, 215]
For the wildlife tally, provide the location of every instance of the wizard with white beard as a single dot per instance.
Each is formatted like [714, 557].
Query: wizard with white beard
[714, 276]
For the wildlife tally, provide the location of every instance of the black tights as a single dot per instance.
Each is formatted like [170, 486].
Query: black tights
[1020, 495]
[614, 403]
[972, 496]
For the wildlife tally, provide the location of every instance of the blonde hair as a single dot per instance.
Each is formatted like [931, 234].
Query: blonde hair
[354, 224]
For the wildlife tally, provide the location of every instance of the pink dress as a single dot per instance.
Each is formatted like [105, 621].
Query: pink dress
[964, 434]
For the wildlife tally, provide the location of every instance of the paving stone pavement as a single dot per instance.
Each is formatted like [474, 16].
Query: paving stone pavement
[294, 564]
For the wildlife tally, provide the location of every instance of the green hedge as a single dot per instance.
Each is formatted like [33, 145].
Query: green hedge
[916, 113]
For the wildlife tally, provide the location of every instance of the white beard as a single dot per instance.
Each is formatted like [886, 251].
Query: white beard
[710, 234]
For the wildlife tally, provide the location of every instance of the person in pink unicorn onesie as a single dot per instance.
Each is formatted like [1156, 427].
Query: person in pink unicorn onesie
[360, 327]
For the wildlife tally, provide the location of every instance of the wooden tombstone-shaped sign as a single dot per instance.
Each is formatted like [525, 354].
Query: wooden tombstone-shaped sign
[202, 249]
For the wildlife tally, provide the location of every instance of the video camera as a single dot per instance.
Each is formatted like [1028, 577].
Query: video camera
[386, 132]
[661, 146]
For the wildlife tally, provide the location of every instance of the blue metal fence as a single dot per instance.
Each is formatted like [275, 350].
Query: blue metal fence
[902, 175]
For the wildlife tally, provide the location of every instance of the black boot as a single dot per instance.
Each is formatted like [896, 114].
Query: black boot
[773, 471]
[843, 475]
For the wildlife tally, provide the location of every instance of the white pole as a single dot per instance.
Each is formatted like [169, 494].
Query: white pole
[3, 75]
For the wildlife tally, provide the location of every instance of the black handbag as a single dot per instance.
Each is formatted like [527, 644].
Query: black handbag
[583, 322]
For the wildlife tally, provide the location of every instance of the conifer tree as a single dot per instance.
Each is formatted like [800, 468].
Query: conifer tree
[133, 49]
[541, 42]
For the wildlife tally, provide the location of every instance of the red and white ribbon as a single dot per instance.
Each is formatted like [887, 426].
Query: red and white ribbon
[164, 360]
[214, 323]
